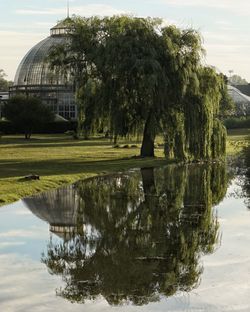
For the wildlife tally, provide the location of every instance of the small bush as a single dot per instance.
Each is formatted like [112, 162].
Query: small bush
[27, 114]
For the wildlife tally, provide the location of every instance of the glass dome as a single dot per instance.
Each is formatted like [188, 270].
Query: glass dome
[34, 69]
[34, 77]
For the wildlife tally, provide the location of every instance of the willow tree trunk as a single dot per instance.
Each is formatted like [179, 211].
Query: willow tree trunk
[147, 148]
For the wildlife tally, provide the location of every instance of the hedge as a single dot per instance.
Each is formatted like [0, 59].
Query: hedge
[237, 122]
[6, 127]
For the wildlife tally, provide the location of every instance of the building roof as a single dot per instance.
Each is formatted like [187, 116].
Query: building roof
[61, 28]
[34, 68]
[241, 101]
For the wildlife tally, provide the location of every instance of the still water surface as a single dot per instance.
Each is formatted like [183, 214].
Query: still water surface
[169, 239]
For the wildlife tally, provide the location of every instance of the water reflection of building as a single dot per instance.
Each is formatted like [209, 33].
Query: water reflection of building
[59, 208]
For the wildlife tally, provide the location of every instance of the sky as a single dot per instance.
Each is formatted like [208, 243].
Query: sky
[223, 24]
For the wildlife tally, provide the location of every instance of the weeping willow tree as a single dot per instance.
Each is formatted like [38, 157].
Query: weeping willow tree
[196, 131]
[74, 60]
[206, 136]
[133, 75]
[243, 174]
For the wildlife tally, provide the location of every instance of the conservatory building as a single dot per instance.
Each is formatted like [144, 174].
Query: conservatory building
[35, 78]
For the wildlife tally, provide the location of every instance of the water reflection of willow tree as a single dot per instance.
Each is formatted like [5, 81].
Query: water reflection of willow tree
[240, 167]
[246, 176]
[143, 234]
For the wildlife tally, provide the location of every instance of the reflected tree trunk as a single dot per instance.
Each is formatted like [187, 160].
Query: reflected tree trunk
[149, 188]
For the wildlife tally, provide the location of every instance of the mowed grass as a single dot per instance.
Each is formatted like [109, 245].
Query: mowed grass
[59, 160]
[237, 140]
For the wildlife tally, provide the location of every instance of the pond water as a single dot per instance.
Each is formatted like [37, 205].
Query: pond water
[167, 239]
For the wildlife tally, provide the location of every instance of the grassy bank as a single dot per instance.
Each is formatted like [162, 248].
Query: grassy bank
[59, 160]
[237, 140]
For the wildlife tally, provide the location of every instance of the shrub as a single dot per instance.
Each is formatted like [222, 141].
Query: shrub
[27, 113]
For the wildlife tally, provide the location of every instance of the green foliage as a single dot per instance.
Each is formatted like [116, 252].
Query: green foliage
[195, 131]
[227, 105]
[134, 75]
[246, 176]
[4, 84]
[237, 80]
[27, 114]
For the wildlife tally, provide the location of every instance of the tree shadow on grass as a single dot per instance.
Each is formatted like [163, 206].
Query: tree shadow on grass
[18, 168]
[62, 142]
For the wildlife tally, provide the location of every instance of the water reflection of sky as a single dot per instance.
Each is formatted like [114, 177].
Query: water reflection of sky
[25, 284]
[225, 281]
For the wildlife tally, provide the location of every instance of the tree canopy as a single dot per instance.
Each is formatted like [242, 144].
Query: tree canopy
[237, 80]
[135, 75]
[27, 113]
[4, 83]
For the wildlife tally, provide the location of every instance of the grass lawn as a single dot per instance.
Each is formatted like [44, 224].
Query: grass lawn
[237, 140]
[59, 160]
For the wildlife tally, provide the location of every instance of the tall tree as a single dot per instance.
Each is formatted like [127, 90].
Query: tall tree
[237, 80]
[27, 114]
[140, 74]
